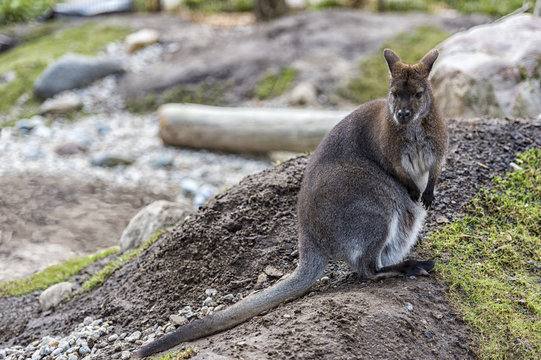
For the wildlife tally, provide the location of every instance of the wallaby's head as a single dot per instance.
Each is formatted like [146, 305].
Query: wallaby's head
[410, 94]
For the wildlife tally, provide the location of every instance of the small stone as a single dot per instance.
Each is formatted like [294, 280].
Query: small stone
[112, 338]
[205, 310]
[515, 166]
[54, 295]
[177, 320]
[428, 335]
[208, 302]
[228, 298]
[162, 161]
[83, 350]
[141, 39]
[241, 343]
[261, 278]
[72, 357]
[438, 315]
[170, 328]
[70, 148]
[409, 306]
[219, 307]
[125, 355]
[211, 292]
[61, 105]
[88, 320]
[324, 279]
[273, 272]
[413, 277]
[304, 93]
[134, 336]
[109, 160]
[442, 219]
[189, 186]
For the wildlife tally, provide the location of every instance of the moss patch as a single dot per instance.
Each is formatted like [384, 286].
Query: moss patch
[52, 275]
[208, 93]
[275, 83]
[99, 278]
[492, 261]
[411, 47]
[29, 59]
[179, 355]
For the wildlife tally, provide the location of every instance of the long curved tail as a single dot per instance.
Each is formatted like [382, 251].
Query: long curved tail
[309, 270]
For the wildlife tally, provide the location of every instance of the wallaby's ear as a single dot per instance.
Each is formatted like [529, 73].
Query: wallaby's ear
[428, 59]
[391, 58]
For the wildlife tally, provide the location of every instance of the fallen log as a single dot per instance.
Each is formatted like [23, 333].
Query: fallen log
[245, 129]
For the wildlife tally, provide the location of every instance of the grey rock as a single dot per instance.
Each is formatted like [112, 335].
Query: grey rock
[491, 70]
[203, 194]
[83, 350]
[26, 126]
[304, 93]
[134, 336]
[53, 295]
[61, 105]
[6, 43]
[125, 355]
[109, 160]
[211, 292]
[73, 71]
[189, 186]
[7, 77]
[162, 161]
[228, 298]
[177, 320]
[112, 338]
[72, 357]
[70, 148]
[156, 216]
[408, 306]
[141, 39]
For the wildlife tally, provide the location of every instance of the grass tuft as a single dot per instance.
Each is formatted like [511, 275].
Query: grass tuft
[179, 355]
[99, 278]
[411, 47]
[274, 84]
[51, 275]
[491, 259]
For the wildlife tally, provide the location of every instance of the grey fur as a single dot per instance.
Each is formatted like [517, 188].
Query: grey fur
[360, 198]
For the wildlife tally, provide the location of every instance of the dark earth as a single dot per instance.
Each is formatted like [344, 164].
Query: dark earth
[228, 243]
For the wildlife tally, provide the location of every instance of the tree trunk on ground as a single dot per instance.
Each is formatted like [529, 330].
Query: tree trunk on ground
[244, 130]
[269, 9]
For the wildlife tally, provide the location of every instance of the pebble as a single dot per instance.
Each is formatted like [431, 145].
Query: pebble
[211, 292]
[408, 306]
[134, 336]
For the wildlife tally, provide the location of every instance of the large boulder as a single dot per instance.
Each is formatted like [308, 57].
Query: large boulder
[492, 70]
[54, 295]
[156, 216]
[73, 71]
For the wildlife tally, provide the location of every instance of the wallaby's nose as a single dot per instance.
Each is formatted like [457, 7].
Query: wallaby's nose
[404, 115]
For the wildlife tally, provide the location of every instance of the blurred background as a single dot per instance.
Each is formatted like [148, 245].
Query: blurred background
[108, 106]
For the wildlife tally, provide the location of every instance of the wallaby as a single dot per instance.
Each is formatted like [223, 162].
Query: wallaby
[360, 197]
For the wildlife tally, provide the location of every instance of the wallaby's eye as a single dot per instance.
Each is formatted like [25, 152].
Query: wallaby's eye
[394, 94]
[419, 94]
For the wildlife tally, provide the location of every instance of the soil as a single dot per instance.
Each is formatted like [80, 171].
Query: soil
[228, 243]
[47, 220]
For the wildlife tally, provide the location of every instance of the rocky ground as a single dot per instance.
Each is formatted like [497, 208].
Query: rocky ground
[224, 251]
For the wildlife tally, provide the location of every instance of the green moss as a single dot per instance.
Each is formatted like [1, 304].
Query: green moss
[99, 278]
[23, 10]
[29, 59]
[214, 6]
[179, 355]
[51, 275]
[489, 7]
[208, 93]
[274, 84]
[411, 47]
[491, 260]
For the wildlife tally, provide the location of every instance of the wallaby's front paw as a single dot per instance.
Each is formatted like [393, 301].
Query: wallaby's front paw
[427, 199]
[414, 194]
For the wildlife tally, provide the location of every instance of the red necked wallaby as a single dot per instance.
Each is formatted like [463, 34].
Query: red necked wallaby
[361, 198]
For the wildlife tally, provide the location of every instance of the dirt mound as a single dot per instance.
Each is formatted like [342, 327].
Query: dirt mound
[230, 241]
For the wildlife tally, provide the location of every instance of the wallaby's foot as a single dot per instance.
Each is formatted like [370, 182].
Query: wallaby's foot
[408, 267]
[414, 267]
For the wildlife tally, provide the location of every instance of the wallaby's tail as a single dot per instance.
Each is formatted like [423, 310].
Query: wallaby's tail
[309, 270]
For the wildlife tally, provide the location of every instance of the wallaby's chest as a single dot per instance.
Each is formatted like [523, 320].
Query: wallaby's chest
[417, 158]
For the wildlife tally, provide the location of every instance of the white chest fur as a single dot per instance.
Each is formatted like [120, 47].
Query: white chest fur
[417, 162]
